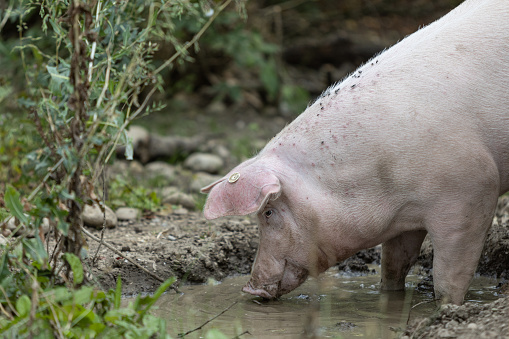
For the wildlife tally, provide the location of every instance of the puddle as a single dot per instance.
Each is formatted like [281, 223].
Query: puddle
[341, 306]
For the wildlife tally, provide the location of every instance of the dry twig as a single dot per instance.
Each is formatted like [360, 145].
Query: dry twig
[181, 335]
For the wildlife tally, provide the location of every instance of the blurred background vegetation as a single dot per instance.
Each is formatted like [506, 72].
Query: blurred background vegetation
[267, 61]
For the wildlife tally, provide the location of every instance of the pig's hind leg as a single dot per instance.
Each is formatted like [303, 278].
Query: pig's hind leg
[398, 256]
[456, 255]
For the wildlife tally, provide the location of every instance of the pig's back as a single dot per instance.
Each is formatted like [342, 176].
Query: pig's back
[438, 96]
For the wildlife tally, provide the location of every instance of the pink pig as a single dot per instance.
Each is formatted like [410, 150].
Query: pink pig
[415, 142]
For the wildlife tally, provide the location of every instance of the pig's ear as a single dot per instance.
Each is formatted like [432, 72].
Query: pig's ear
[241, 193]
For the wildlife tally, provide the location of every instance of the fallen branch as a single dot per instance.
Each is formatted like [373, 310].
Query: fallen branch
[238, 336]
[93, 237]
[418, 304]
[181, 335]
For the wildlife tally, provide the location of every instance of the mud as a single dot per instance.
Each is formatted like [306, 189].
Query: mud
[185, 245]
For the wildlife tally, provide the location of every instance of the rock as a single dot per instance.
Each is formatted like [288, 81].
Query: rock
[222, 151]
[93, 216]
[136, 168]
[472, 326]
[445, 333]
[160, 169]
[204, 162]
[13, 223]
[169, 146]
[119, 167]
[3, 240]
[180, 211]
[216, 107]
[127, 213]
[45, 226]
[171, 195]
[201, 180]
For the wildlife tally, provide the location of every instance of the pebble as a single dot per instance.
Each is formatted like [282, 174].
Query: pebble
[13, 223]
[180, 211]
[93, 216]
[445, 333]
[127, 213]
[472, 326]
[172, 196]
[204, 162]
[202, 179]
[160, 169]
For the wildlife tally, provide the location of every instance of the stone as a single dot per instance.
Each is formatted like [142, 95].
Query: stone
[201, 180]
[180, 211]
[118, 168]
[93, 216]
[170, 146]
[3, 240]
[171, 195]
[204, 162]
[160, 169]
[222, 151]
[445, 333]
[136, 168]
[13, 223]
[127, 213]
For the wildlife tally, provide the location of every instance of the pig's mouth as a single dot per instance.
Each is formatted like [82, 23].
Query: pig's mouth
[262, 292]
[292, 278]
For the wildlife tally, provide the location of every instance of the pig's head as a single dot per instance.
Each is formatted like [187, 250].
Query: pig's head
[287, 252]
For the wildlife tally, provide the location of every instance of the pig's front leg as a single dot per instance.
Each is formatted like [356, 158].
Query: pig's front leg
[398, 256]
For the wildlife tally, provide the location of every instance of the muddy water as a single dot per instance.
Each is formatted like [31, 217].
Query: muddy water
[335, 306]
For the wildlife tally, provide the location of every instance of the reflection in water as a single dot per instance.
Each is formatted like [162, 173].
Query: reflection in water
[330, 307]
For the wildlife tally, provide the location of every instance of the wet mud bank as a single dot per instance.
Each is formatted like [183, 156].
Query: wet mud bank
[196, 251]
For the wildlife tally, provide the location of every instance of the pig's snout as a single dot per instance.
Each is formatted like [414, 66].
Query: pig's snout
[292, 278]
[261, 292]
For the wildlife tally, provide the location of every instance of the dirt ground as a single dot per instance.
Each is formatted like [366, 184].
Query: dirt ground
[185, 245]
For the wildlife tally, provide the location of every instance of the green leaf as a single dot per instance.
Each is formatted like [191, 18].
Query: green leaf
[13, 203]
[23, 305]
[77, 268]
[57, 77]
[83, 295]
[118, 293]
[59, 294]
[129, 149]
[215, 334]
[4, 269]
[114, 316]
[160, 290]
[35, 249]
[269, 78]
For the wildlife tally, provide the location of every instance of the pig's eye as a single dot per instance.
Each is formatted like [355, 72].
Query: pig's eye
[268, 213]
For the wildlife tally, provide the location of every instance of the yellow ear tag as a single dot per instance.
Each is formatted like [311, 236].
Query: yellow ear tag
[234, 177]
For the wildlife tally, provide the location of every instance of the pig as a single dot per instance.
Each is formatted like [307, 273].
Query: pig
[415, 142]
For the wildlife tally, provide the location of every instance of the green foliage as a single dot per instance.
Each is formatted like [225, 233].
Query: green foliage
[17, 138]
[243, 147]
[44, 311]
[294, 99]
[124, 193]
[87, 72]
